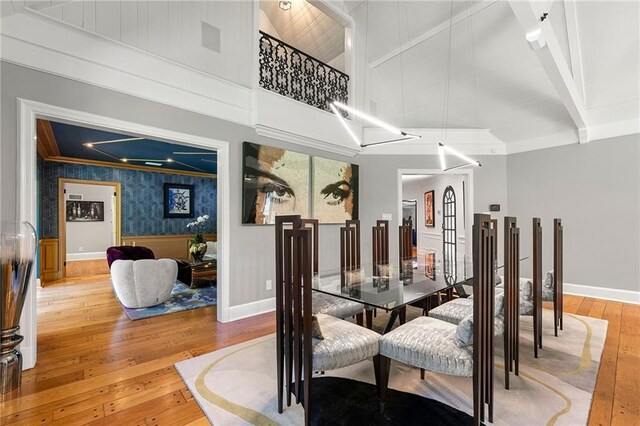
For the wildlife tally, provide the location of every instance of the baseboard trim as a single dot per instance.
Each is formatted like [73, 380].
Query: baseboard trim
[617, 295]
[251, 309]
[71, 257]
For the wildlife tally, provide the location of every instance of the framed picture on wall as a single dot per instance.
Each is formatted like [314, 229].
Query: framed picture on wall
[85, 211]
[429, 209]
[430, 265]
[178, 200]
[335, 190]
[275, 182]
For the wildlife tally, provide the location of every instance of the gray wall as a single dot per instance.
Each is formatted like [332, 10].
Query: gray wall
[252, 254]
[595, 189]
[379, 189]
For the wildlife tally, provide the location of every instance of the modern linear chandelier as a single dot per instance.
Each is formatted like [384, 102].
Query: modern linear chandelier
[443, 148]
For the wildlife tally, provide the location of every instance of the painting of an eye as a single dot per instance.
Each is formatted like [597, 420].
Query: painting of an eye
[278, 193]
[336, 192]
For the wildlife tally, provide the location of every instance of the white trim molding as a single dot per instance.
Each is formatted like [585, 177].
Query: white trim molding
[250, 309]
[29, 111]
[626, 296]
[86, 256]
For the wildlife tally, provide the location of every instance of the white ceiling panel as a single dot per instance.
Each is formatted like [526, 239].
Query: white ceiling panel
[306, 28]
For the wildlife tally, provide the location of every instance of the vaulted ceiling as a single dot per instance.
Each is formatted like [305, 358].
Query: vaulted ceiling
[480, 72]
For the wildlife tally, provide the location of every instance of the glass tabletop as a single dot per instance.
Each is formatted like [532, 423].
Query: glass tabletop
[389, 287]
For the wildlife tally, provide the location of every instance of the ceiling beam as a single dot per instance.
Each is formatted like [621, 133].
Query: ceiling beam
[432, 32]
[542, 40]
[574, 45]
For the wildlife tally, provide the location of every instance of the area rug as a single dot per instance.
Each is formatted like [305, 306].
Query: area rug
[182, 298]
[237, 385]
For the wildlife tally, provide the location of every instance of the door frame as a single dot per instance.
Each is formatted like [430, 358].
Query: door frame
[27, 113]
[468, 194]
[62, 223]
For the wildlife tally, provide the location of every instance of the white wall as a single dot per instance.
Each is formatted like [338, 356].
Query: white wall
[173, 29]
[90, 240]
[430, 238]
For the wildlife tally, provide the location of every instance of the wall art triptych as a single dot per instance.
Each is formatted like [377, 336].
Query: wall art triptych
[281, 182]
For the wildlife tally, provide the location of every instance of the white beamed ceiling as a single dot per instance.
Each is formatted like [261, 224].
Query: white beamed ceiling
[495, 79]
[496, 82]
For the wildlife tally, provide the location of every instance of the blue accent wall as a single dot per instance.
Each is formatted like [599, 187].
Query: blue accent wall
[142, 198]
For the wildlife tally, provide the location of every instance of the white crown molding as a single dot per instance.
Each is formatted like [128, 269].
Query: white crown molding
[280, 117]
[469, 141]
[45, 44]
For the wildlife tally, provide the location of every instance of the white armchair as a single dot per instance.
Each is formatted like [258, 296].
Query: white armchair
[143, 283]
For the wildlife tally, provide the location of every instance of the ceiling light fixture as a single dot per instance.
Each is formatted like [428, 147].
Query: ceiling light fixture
[88, 145]
[169, 160]
[335, 105]
[441, 146]
[149, 163]
[124, 160]
[285, 5]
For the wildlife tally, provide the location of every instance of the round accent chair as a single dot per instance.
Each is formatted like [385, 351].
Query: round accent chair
[143, 281]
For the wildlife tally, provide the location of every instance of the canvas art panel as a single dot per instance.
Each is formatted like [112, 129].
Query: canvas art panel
[275, 182]
[178, 200]
[85, 211]
[429, 209]
[430, 265]
[335, 190]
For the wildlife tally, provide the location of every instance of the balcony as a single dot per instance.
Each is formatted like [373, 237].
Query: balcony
[289, 72]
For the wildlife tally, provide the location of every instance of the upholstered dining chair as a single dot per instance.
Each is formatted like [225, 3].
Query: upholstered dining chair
[310, 342]
[465, 349]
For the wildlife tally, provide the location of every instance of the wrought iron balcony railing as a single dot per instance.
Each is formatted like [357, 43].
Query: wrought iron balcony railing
[292, 73]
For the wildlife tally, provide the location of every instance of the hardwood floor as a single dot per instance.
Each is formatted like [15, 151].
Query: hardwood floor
[96, 366]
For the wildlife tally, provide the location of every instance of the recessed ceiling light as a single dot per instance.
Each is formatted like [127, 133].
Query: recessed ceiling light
[124, 160]
[149, 163]
[285, 5]
[169, 160]
[88, 145]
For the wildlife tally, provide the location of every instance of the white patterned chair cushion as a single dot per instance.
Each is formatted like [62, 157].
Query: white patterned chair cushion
[464, 330]
[338, 307]
[456, 310]
[526, 296]
[453, 311]
[430, 344]
[344, 344]
[548, 287]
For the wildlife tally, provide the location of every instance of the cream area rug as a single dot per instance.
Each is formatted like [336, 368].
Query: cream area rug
[237, 385]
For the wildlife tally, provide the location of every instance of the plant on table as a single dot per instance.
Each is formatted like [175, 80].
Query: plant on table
[198, 246]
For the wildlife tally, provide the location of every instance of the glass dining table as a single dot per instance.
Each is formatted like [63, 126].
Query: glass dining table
[385, 286]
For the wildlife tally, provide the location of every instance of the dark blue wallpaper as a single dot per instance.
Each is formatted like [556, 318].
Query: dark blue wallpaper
[142, 192]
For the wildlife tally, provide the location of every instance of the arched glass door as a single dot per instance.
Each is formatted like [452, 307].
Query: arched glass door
[449, 235]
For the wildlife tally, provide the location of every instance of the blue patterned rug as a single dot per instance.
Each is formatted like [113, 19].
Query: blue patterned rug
[183, 298]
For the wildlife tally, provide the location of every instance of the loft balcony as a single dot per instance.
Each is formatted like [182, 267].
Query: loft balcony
[297, 75]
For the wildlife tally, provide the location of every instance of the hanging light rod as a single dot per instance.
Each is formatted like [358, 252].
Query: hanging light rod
[469, 161]
[335, 105]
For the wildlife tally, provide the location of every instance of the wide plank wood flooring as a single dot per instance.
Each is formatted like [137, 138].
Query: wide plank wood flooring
[95, 366]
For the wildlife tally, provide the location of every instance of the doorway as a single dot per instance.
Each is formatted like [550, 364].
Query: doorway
[89, 222]
[28, 113]
[444, 209]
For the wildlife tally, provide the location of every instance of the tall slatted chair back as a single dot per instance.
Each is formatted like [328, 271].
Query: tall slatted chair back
[484, 241]
[405, 248]
[312, 224]
[511, 298]
[537, 285]
[557, 274]
[350, 255]
[380, 245]
[298, 275]
[283, 304]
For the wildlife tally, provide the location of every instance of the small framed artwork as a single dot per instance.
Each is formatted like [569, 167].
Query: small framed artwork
[430, 265]
[178, 200]
[85, 211]
[429, 209]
